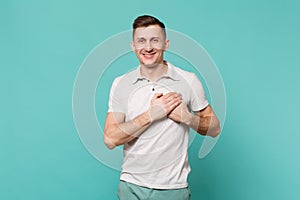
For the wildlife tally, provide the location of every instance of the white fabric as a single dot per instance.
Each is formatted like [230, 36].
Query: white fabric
[158, 158]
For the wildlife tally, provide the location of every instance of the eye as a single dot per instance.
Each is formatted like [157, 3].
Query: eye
[141, 41]
[155, 40]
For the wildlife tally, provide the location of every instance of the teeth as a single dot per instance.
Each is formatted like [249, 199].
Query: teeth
[149, 53]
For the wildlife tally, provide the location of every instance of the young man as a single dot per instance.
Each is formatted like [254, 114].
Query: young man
[151, 110]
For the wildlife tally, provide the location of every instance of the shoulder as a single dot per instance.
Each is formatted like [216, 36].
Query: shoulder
[127, 77]
[186, 75]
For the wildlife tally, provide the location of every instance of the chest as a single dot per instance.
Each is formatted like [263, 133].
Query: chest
[140, 96]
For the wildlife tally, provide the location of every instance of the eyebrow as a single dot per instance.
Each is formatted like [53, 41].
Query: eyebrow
[138, 38]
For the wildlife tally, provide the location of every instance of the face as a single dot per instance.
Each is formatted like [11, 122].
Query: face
[149, 44]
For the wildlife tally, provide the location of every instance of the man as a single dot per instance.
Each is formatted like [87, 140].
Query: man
[151, 110]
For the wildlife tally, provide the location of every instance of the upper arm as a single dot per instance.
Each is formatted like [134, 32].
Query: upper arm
[198, 99]
[115, 114]
[205, 112]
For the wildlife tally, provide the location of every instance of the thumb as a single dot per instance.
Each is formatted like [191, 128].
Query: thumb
[157, 95]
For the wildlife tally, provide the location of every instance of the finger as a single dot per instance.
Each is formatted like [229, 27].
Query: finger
[174, 103]
[170, 96]
[173, 106]
[174, 98]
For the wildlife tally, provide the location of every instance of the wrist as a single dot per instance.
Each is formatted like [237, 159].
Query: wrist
[151, 115]
[188, 119]
[146, 118]
[142, 120]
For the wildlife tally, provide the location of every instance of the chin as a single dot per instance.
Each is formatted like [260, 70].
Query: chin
[147, 62]
[150, 65]
[150, 62]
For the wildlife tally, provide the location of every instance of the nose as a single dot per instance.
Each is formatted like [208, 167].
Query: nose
[148, 45]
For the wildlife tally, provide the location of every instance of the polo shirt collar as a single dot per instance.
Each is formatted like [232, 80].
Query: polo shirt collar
[171, 74]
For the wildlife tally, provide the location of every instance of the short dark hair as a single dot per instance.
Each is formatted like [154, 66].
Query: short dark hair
[145, 21]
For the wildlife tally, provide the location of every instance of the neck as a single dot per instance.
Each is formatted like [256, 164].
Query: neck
[154, 72]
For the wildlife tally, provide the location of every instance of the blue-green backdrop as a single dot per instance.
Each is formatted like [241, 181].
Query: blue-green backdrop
[255, 45]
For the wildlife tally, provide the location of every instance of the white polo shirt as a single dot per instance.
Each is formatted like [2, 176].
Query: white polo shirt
[158, 158]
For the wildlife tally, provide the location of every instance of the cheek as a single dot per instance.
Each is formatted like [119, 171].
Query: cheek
[160, 52]
[138, 52]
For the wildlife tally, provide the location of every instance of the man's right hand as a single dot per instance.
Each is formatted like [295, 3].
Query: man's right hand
[161, 105]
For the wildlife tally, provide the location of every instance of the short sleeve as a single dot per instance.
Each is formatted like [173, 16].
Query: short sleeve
[115, 103]
[198, 97]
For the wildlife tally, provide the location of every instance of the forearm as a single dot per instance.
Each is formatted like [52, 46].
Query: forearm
[208, 125]
[125, 132]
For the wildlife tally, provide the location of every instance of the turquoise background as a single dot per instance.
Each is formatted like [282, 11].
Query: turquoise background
[255, 45]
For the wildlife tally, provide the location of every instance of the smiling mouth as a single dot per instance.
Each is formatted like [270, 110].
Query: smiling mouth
[149, 55]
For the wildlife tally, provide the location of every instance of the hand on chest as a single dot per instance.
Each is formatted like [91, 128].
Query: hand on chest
[139, 99]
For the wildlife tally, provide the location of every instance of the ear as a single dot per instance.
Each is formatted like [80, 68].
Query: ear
[132, 46]
[167, 43]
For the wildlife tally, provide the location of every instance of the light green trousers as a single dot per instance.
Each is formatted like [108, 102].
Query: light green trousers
[129, 191]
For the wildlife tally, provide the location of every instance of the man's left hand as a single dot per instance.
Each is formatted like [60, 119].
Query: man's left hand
[181, 114]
